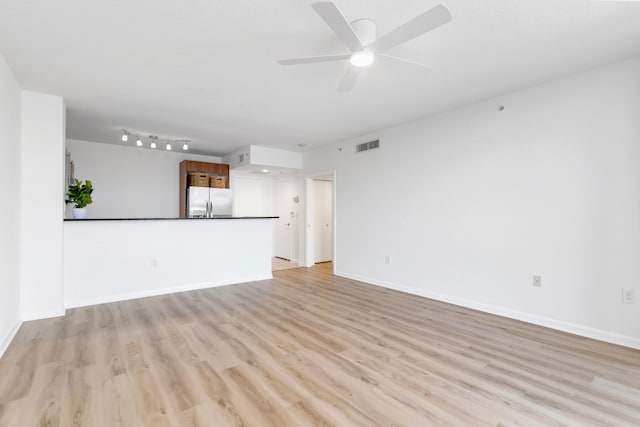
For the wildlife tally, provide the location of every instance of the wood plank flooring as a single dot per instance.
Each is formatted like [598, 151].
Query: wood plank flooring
[309, 349]
[278, 264]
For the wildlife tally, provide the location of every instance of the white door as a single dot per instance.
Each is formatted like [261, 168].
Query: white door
[282, 208]
[322, 220]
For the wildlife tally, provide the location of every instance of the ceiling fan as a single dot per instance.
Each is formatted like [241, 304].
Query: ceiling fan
[360, 37]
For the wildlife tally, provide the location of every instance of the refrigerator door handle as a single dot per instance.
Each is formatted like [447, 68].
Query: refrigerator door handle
[209, 209]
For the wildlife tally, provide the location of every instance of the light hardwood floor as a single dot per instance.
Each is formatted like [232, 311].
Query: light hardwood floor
[278, 264]
[309, 349]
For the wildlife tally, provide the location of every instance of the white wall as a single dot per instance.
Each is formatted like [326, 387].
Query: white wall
[10, 106]
[116, 260]
[42, 205]
[131, 182]
[276, 158]
[256, 155]
[233, 158]
[470, 204]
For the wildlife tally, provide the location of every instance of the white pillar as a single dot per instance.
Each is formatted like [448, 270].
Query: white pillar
[41, 205]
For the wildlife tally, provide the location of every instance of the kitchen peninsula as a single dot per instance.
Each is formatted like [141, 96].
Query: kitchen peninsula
[117, 259]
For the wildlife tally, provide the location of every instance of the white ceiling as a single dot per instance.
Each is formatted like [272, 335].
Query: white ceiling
[206, 70]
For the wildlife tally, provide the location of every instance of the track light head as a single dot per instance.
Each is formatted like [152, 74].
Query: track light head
[154, 140]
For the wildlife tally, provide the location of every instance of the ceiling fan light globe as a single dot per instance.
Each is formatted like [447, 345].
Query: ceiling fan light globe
[362, 59]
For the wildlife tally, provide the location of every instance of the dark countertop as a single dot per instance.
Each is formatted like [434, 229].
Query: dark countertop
[171, 219]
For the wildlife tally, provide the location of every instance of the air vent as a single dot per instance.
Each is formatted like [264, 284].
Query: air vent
[367, 146]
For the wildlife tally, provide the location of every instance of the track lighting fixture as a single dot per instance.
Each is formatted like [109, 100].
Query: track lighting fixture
[154, 140]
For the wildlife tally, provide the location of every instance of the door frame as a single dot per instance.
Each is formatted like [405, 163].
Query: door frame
[273, 208]
[308, 235]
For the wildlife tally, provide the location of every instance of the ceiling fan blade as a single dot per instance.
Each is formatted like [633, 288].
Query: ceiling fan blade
[406, 61]
[431, 19]
[349, 79]
[330, 13]
[312, 59]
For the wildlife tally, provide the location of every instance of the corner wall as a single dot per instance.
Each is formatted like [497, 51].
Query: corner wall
[42, 205]
[10, 105]
[470, 204]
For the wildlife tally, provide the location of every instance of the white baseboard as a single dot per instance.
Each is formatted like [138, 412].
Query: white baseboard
[164, 291]
[4, 344]
[37, 315]
[573, 328]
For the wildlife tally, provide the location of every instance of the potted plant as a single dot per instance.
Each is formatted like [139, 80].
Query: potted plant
[79, 194]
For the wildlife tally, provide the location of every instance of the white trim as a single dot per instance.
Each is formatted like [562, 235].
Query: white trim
[164, 291]
[308, 261]
[4, 345]
[46, 314]
[573, 328]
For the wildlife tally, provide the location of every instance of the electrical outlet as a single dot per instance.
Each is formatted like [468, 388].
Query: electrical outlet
[628, 296]
[387, 260]
[537, 281]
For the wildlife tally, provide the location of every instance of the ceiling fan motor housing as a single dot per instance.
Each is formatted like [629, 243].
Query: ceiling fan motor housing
[360, 37]
[365, 29]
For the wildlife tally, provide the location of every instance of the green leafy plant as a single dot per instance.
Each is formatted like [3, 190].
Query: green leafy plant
[79, 193]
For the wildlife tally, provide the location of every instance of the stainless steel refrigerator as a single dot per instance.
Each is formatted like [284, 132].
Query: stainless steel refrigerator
[205, 202]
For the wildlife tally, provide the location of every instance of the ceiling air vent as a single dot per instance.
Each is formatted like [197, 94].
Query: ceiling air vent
[367, 146]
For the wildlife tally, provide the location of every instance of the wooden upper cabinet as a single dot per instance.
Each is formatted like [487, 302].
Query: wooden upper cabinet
[192, 166]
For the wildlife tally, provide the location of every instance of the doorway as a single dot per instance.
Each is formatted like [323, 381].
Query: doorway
[320, 219]
[283, 209]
